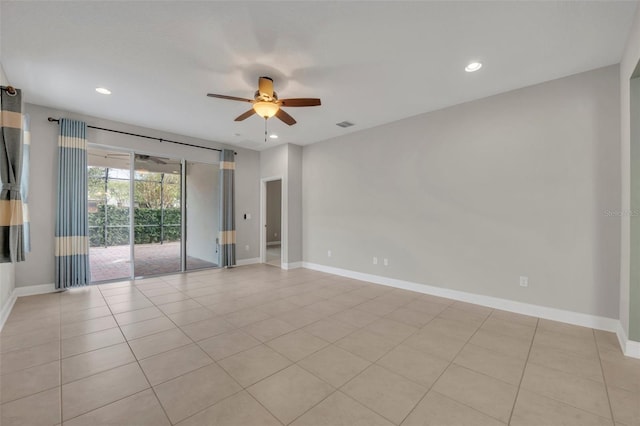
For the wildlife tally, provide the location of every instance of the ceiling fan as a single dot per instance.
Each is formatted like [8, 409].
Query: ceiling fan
[266, 103]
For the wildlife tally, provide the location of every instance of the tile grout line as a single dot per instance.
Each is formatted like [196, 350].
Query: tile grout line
[515, 400]
[604, 379]
[447, 367]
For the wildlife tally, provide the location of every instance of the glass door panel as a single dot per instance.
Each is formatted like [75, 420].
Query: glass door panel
[109, 214]
[157, 216]
[202, 200]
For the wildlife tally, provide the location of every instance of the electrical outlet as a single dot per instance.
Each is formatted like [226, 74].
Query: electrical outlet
[246, 248]
[524, 281]
[328, 253]
[385, 261]
[375, 260]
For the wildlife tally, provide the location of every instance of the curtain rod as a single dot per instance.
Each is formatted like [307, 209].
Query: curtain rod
[56, 120]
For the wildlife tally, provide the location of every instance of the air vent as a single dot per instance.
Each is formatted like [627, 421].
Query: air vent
[344, 124]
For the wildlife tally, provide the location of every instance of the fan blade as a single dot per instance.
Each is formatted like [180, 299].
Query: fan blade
[231, 98]
[265, 87]
[285, 117]
[299, 102]
[246, 115]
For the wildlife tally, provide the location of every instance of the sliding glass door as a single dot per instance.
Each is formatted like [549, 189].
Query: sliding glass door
[157, 218]
[202, 214]
[109, 198]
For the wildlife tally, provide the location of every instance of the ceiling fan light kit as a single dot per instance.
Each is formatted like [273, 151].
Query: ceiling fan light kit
[266, 103]
[266, 109]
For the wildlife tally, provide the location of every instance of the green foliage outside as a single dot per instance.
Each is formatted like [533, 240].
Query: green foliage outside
[149, 196]
[147, 229]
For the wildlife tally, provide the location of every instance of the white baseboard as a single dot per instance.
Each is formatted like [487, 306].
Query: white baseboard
[575, 318]
[31, 290]
[6, 309]
[292, 265]
[629, 347]
[243, 262]
[273, 243]
[19, 292]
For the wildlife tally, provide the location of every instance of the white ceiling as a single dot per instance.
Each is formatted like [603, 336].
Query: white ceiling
[370, 62]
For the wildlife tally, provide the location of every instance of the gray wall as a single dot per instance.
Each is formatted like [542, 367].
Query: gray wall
[39, 267]
[630, 137]
[473, 196]
[274, 210]
[203, 210]
[6, 269]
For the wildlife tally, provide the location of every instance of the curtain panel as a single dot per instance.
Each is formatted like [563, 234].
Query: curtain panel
[227, 237]
[24, 183]
[11, 147]
[72, 223]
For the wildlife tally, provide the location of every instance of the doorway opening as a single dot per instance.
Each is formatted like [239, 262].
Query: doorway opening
[273, 223]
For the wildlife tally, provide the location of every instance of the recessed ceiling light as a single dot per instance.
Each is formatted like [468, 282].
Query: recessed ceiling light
[273, 136]
[103, 91]
[473, 66]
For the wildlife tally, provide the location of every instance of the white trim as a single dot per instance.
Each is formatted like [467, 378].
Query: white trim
[273, 243]
[292, 265]
[576, 318]
[31, 290]
[244, 262]
[6, 309]
[629, 347]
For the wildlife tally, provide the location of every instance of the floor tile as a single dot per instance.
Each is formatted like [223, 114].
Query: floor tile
[334, 365]
[625, 406]
[16, 342]
[29, 357]
[301, 317]
[534, 410]
[168, 365]
[158, 343]
[435, 343]
[88, 363]
[269, 329]
[140, 409]
[86, 327]
[40, 409]
[85, 314]
[131, 317]
[506, 368]
[388, 394]
[578, 346]
[240, 409]
[340, 410]
[195, 391]
[297, 344]
[290, 393]
[392, 330]
[179, 306]
[190, 316]
[508, 328]
[203, 329]
[145, 328]
[436, 409]
[80, 397]
[456, 329]
[89, 342]
[483, 393]
[589, 368]
[355, 317]
[254, 364]
[246, 317]
[330, 330]
[579, 392]
[411, 317]
[622, 372]
[414, 365]
[29, 381]
[365, 344]
[515, 347]
[227, 344]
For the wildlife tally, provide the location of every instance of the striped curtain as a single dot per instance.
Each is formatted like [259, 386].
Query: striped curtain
[11, 145]
[227, 235]
[24, 183]
[72, 228]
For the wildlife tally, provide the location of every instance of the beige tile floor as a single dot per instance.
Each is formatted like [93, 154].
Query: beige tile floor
[260, 346]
